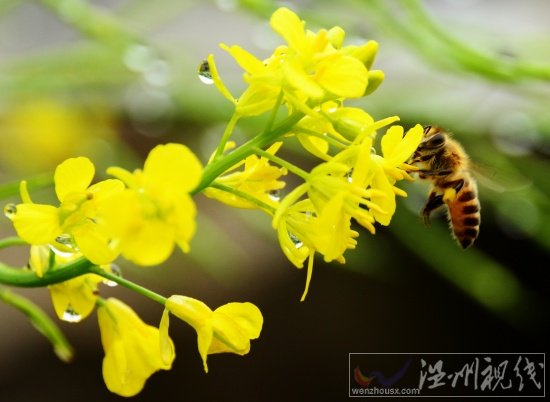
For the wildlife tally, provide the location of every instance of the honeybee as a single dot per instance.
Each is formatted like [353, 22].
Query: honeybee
[443, 161]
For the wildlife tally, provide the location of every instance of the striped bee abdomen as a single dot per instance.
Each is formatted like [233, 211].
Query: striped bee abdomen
[464, 214]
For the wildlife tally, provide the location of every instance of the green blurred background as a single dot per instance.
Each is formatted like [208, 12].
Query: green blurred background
[110, 79]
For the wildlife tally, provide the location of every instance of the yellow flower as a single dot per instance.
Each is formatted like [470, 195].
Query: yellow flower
[309, 69]
[258, 179]
[156, 211]
[264, 79]
[388, 168]
[76, 225]
[229, 328]
[74, 299]
[303, 230]
[313, 65]
[133, 349]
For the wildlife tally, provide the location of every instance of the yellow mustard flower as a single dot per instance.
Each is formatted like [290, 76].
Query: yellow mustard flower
[310, 67]
[133, 349]
[76, 225]
[74, 299]
[302, 231]
[346, 174]
[156, 211]
[229, 328]
[258, 178]
[390, 167]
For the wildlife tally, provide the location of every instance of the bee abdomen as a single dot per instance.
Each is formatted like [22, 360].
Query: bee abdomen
[464, 215]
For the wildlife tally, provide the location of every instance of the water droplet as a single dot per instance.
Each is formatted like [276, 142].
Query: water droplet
[61, 253]
[64, 246]
[204, 73]
[274, 195]
[349, 175]
[297, 242]
[10, 210]
[66, 240]
[115, 270]
[70, 315]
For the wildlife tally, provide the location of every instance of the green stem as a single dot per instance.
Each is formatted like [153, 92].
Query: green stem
[218, 167]
[274, 111]
[12, 241]
[41, 321]
[26, 278]
[281, 162]
[226, 135]
[244, 196]
[128, 284]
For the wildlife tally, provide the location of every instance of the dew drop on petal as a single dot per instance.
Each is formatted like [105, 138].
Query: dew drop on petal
[64, 246]
[10, 210]
[61, 253]
[274, 195]
[349, 175]
[204, 73]
[297, 242]
[65, 239]
[115, 270]
[70, 315]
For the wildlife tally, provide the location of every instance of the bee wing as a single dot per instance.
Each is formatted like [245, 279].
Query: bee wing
[499, 180]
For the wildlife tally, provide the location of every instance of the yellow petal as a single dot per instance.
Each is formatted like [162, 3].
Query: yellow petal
[122, 174]
[192, 311]
[132, 348]
[167, 350]
[247, 61]
[73, 176]
[390, 140]
[218, 80]
[78, 295]
[287, 24]
[105, 189]
[396, 148]
[37, 223]
[171, 168]
[199, 316]
[150, 244]
[247, 316]
[228, 337]
[387, 201]
[205, 334]
[93, 243]
[183, 222]
[257, 99]
[343, 76]
[39, 259]
[297, 78]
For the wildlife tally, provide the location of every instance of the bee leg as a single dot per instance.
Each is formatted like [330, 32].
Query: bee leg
[423, 174]
[453, 188]
[434, 201]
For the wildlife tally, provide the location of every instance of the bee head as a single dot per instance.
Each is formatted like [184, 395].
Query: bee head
[434, 138]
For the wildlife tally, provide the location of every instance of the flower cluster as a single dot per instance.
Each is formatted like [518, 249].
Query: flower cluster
[312, 75]
[142, 215]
